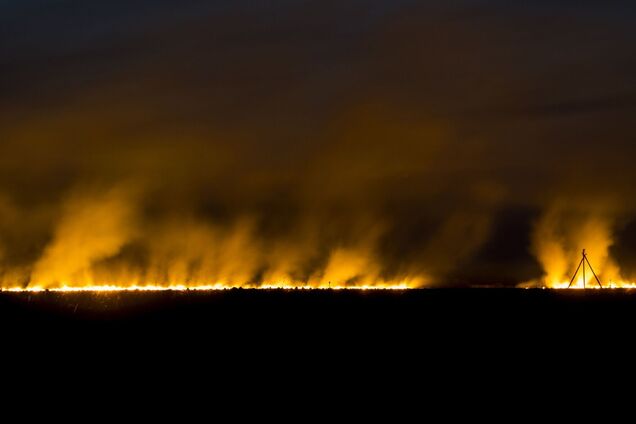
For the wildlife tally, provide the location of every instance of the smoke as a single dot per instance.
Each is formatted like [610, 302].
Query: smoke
[315, 143]
[111, 236]
[204, 254]
[91, 228]
[560, 236]
[7, 217]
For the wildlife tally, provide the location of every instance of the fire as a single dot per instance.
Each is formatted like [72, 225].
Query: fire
[198, 288]
[578, 285]
[101, 243]
[560, 236]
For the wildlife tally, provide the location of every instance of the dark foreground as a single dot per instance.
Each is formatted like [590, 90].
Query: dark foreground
[315, 306]
[421, 311]
[326, 324]
[221, 339]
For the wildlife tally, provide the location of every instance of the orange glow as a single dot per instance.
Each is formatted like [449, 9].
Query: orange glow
[558, 239]
[591, 284]
[84, 254]
[213, 287]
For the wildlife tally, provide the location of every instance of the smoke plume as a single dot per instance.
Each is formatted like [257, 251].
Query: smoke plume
[316, 143]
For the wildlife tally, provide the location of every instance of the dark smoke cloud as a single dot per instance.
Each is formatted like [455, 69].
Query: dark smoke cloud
[356, 141]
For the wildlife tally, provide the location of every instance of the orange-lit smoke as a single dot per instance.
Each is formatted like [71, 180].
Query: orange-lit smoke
[91, 228]
[558, 240]
[87, 252]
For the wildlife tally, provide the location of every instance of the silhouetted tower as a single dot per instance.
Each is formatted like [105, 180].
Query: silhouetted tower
[584, 261]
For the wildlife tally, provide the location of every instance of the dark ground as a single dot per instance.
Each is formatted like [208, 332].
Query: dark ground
[332, 337]
[312, 307]
[368, 316]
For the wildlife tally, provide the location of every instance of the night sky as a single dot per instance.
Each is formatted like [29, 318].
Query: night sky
[452, 143]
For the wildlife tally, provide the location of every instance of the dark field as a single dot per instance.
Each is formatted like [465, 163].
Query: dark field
[279, 310]
[332, 325]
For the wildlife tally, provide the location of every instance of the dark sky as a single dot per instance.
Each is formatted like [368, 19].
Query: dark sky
[461, 143]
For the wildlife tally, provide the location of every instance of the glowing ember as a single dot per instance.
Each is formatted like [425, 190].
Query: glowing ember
[578, 285]
[157, 288]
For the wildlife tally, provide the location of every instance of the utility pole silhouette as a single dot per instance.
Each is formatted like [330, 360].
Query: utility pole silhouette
[584, 261]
